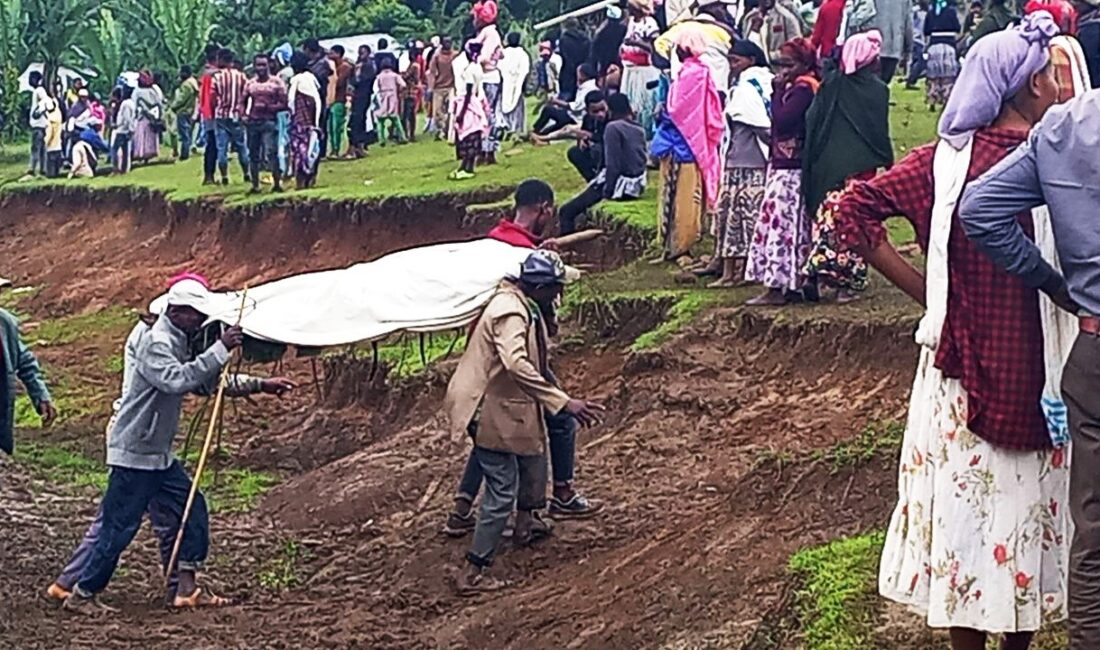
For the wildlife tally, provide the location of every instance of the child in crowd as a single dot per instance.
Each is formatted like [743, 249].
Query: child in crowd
[470, 115]
[388, 89]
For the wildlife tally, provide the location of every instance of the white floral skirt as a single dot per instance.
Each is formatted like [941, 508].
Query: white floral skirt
[980, 536]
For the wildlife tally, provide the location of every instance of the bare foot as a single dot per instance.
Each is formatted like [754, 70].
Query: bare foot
[723, 283]
[200, 598]
[770, 298]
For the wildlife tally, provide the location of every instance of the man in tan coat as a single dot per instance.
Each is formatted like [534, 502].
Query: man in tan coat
[500, 396]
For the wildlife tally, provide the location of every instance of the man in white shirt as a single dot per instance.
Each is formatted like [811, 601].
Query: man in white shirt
[560, 119]
[41, 106]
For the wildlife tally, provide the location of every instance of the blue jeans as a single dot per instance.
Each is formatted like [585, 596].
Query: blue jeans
[165, 523]
[563, 441]
[185, 126]
[230, 133]
[120, 152]
[129, 493]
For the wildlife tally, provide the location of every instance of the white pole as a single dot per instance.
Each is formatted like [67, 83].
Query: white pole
[577, 13]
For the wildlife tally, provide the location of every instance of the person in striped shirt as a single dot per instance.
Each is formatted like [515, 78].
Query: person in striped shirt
[227, 89]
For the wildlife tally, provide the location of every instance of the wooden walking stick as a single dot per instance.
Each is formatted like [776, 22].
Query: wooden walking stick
[219, 397]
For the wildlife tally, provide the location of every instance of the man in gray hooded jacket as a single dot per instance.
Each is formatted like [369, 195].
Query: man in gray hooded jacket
[139, 448]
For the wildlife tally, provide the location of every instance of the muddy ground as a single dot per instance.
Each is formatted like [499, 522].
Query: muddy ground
[710, 464]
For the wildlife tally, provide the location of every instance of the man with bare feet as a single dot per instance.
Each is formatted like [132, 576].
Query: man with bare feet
[139, 448]
[500, 396]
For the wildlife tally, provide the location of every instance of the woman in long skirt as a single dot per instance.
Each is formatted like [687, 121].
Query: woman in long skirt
[304, 95]
[847, 138]
[639, 73]
[746, 161]
[979, 540]
[515, 66]
[781, 241]
[941, 29]
[150, 118]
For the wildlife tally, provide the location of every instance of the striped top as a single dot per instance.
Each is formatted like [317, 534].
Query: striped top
[228, 90]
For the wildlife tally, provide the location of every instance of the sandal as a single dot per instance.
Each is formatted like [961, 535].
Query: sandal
[479, 584]
[199, 599]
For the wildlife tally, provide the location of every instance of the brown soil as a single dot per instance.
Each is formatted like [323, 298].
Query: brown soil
[705, 464]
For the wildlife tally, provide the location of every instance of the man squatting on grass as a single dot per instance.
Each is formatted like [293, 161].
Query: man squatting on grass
[500, 395]
[144, 474]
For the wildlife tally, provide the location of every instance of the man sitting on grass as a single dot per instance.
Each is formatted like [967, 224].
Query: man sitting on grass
[559, 119]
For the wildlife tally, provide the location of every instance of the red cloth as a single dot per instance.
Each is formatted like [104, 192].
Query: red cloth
[827, 27]
[206, 93]
[511, 233]
[992, 339]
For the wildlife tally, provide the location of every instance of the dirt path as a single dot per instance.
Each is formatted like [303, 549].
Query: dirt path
[709, 464]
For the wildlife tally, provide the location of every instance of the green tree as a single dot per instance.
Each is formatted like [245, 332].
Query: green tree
[57, 28]
[102, 48]
[181, 29]
[13, 60]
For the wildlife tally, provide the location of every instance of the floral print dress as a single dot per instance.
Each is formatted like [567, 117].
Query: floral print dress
[980, 536]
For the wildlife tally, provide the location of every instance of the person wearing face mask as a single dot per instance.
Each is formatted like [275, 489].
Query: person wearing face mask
[983, 442]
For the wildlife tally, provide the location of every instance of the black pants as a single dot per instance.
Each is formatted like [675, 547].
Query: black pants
[578, 205]
[210, 149]
[889, 67]
[357, 124]
[587, 160]
[263, 148]
[552, 118]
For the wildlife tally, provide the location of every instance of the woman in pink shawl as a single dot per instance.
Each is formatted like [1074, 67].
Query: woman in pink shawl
[687, 143]
[781, 243]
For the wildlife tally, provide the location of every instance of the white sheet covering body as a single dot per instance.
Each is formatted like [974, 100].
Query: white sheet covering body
[423, 289]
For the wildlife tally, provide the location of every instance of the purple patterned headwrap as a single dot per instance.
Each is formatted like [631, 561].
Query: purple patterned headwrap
[995, 69]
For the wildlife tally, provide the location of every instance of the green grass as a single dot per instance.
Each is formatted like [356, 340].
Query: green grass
[226, 490]
[837, 597]
[876, 438]
[62, 466]
[70, 329]
[688, 306]
[281, 571]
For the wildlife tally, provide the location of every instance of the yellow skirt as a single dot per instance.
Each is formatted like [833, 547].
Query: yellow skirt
[680, 207]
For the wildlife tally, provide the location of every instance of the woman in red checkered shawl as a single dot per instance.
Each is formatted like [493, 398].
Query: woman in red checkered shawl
[979, 540]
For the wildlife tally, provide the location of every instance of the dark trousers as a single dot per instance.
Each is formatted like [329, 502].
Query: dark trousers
[578, 205]
[511, 481]
[185, 127]
[552, 118]
[129, 492]
[917, 65]
[120, 152]
[358, 124]
[1081, 391]
[38, 151]
[210, 149]
[889, 67]
[563, 444]
[263, 147]
[586, 160]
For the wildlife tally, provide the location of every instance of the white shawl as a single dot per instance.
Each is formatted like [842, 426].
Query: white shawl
[950, 167]
[514, 67]
[308, 85]
[749, 102]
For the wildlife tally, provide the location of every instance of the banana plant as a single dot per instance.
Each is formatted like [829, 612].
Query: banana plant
[55, 28]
